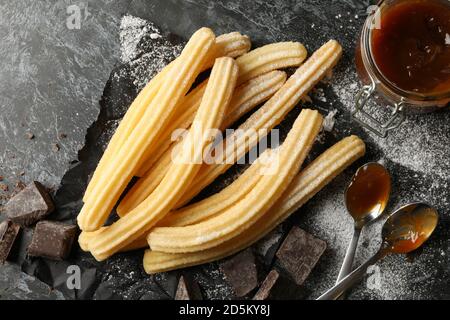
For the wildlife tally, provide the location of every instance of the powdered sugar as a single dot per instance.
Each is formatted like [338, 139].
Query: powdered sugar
[421, 144]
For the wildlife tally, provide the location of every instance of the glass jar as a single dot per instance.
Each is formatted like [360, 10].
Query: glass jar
[400, 100]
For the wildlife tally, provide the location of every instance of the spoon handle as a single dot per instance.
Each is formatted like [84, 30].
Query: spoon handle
[335, 292]
[349, 256]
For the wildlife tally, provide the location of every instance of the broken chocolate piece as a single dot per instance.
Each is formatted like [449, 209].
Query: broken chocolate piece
[52, 240]
[30, 205]
[188, 289]
[240, 272]
[8, 234]
[299, 254]
[63, 135]
[266, 287]
[267, 247]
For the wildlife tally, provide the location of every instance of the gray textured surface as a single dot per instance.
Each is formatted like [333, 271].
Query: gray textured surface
[16, 285]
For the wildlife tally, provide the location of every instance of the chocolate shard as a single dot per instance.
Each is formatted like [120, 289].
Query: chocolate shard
[240, 272]
[266, 287]
[52, 240]
[299, 254]
[30, 205]
[188, 289]
[8, 234]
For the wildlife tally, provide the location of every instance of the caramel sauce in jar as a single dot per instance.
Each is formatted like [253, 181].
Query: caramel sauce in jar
[412, 46]
[369, 191]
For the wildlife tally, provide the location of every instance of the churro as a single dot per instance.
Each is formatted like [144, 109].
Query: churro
[252, 64]
[256, 203]
[119, 172]
[210, 114]
[85, 238]
[227, 45]
[270, 57]
[245, 98]
[196, 212]
[268, 116]
[308, 183]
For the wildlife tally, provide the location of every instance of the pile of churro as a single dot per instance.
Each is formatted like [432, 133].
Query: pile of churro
[157, 212]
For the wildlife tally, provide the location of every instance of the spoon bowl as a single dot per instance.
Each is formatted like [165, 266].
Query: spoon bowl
[368, 193]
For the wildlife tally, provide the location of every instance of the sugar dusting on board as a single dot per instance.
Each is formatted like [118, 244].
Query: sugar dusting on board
[418, 144]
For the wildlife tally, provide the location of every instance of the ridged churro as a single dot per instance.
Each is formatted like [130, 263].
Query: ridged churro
[197, 212]
[227, 45]
[246, 97]
[268, 116]
[256, 203]
[210, 114]
[252, 64]
[119, 172]
[309, 182]
[270, 57]
[218, 202]
[85, 238]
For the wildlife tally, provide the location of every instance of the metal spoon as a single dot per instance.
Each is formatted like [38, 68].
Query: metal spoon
[403, 232]
[366, 198]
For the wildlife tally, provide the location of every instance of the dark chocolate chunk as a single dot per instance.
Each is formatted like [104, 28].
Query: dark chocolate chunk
[30, 205]
[188, 289]
[52, 240]
[8, 234]
[266, 287]
[240, 272]
[299, 254]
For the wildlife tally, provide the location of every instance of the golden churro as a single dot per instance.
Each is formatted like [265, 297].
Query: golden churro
[197, 212]
[227, 45]
[245, 98]
[270, 57]
[252, 94]
[85, 238]
[123, 166]
[269, 115]
[218, 202]
[309, 182]
[254, 63]
[210, 114]
[243, 214]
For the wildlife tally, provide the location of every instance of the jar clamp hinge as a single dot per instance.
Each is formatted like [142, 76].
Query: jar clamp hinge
[381, 129]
